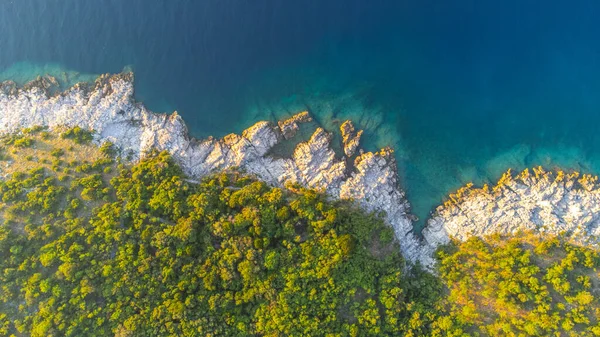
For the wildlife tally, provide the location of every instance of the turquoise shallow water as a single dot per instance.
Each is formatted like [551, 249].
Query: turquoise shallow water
[461, 90]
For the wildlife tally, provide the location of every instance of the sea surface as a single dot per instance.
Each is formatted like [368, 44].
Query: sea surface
[462, 90]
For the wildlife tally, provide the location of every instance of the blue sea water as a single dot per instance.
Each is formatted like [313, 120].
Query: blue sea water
[463, 90]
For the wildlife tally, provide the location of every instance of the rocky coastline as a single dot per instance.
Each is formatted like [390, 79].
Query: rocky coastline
[547, 202]
[108, 107]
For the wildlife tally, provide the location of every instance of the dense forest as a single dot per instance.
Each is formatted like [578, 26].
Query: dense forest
[94, 246]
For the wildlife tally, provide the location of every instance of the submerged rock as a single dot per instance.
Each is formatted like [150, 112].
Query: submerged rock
[108, 107]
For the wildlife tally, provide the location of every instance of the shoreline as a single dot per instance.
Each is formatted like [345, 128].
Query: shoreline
[108, 107]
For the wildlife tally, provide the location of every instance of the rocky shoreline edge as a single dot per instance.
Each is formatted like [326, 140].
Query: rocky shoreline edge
[542, 201]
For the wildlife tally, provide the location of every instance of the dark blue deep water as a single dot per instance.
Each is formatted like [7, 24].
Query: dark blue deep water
[462, 90]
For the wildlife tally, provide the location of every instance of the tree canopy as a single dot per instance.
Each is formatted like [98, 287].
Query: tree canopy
[92, 246]
[523, 285]
[102, 248]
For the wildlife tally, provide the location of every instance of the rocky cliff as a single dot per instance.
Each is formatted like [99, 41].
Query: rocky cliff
[547, 202]
[108, 107]
[536, 200]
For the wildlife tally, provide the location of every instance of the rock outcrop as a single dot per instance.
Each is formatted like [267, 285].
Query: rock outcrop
[546, 202]
[350, 138]
[108, 107]
[290, 126]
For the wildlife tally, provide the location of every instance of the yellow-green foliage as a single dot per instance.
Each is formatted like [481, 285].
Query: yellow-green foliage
[78, 135]
[150, 254]
[38, 183]
[91, 247]
[520, 286]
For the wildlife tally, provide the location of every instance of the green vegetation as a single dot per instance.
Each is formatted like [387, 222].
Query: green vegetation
[521, 286]
[94, 247]
[18, 141]
[78, 135]
[143, 252]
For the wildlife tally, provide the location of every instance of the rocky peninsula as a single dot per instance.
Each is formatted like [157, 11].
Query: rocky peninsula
[547, 202]
[550, 202]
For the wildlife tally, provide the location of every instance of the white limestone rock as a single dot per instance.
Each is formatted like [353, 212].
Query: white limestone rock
[109, 109]
[350, 138]
[316, 163]
[542, 201]
[374, 185]
[290, 127]
[545, 202]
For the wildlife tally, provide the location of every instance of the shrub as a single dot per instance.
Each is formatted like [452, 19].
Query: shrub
[23, 142]
[57, 153]
[78, 135]
[108, 149]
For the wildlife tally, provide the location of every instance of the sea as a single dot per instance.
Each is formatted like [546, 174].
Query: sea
[462, 90]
